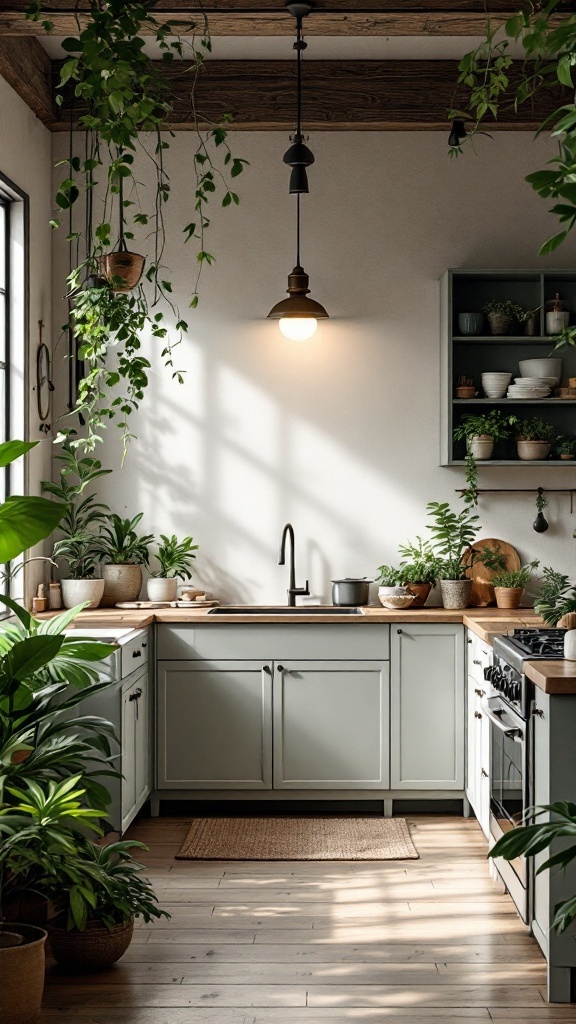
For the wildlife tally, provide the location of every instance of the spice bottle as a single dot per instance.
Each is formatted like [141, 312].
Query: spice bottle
[40, 602]
[54, 597]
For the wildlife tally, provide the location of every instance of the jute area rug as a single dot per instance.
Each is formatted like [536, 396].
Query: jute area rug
[285, 838]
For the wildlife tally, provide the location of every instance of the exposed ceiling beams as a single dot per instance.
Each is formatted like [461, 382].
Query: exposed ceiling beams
[28, 69]
[338, 96]
[267, 17]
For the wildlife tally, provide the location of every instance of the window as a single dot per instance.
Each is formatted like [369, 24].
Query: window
[13, 333]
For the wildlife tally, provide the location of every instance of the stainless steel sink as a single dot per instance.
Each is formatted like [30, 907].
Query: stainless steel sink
[282, 610]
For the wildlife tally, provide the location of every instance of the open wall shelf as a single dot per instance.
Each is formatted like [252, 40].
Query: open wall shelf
[471, 355]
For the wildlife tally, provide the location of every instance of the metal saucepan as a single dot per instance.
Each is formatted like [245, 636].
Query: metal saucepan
[350, 592]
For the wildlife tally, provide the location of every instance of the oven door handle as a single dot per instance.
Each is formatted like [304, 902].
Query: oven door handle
[514, 734]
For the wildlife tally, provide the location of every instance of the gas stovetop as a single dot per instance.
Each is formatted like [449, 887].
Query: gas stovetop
[535, 644]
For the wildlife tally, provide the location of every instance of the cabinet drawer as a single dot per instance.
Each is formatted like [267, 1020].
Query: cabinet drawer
[327, 642]
[479, 653]
[134, 654]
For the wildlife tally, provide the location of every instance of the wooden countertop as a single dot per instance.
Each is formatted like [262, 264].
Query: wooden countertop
[550, 676]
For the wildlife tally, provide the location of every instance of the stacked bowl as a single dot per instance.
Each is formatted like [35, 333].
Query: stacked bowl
[494, 384]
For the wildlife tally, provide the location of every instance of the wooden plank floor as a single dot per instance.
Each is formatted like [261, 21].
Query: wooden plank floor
[397, 942]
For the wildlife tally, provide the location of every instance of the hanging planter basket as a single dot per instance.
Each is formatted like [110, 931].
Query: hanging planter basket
[122, 269]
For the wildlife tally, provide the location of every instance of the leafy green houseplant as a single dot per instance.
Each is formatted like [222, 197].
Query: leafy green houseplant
[388, 576]
[509, 585]
[24, 519]
[123, 551]
[502, 314]
[419, 568]
[534, 438]
[453, 534]
[175, 558]
[123, 100]
[556, 599]
[529, 840]
[77, 546]
[566, 447]
[482, 431]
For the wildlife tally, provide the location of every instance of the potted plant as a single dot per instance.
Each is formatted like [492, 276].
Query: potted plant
[452, 536]
[77, 543]
[96, 906]
[418, 569]
[481, 432]
[389, 583]
[123, 553]
[566, 447]
[534, 439]
[556, 604]
[509, 586]
[501, 315]
[175, 562]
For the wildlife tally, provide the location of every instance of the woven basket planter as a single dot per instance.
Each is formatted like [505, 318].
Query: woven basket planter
[22, 966]
[508, 597]
[121, 583]
[499, 323]
[532, 451]
[123, 265]
[455, 593]
[90, 950]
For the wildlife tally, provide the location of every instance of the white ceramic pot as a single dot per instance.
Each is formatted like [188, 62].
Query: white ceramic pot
[161, 588]
[121, 583]
[547, 366]
[455, 593]
[78, 591]
[570, 644]
[533, 451]
[481, 446]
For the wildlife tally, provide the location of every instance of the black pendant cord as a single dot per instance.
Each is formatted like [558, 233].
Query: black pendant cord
[299, 46]
[298, 230]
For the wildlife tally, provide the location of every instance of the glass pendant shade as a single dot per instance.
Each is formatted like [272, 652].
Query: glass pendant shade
[298, 328]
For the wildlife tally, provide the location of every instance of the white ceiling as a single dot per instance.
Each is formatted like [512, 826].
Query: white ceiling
[321, 47]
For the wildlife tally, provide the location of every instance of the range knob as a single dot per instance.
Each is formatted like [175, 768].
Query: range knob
[517, 691]
[489, 673]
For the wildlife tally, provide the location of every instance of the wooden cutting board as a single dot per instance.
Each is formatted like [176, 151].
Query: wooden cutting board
[482, 593]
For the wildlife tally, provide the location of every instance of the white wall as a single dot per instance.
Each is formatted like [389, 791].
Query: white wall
[26, 158]
[340, 435]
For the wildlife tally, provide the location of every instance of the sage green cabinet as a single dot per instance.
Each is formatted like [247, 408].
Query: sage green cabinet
[427, 707]
[331, 725]
[214, 725]
[136, 744]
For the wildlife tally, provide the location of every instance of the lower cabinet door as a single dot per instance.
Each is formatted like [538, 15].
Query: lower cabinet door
[427, 706]
[143, 742]
[214, 725]
[331, 725]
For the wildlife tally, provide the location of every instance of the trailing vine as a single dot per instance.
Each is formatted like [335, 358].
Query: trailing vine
[120, 93]
[548, 38]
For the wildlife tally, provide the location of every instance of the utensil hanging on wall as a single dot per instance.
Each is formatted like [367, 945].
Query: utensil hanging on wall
[44, 386]
[540, 524]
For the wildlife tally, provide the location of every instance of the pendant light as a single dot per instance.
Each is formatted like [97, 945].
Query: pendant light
[298, 314]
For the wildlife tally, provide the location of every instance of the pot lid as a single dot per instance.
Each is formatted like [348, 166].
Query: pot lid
[353, 579]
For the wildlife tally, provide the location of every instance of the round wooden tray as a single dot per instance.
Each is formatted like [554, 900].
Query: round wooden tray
[482, 593]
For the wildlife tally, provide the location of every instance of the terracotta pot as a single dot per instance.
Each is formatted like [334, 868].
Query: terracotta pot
[466, 391]
[121, 583]
[499, 323]
[508, 597]
[566, 457]
[481, 446]
[78, 591]
[160, 588]
[421, 592]
[531, 451]
[22, 966]
[125, 265]
[90, 950]
[455, 593]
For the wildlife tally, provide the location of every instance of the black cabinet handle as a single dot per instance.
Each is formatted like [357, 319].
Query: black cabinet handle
[477, 714]
[398, 630]
[480, 693]
[136, 695]
[136, 654]
[267, 670]
[280, 668]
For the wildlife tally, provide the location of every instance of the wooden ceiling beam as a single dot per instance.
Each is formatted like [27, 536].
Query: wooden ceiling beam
[267, 18]
[339, 95]
[28, 69]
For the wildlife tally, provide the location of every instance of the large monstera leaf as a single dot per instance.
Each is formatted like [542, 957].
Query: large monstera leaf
[24, 520]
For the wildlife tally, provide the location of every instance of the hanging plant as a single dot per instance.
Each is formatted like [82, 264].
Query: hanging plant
[120, 93]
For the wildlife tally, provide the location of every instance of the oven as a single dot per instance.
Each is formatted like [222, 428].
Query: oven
[510, 790]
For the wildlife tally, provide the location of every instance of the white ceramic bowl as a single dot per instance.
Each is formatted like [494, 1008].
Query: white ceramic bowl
[397, 600]
[545, 367]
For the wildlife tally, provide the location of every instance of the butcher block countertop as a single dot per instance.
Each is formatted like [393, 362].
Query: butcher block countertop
[550, 676]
